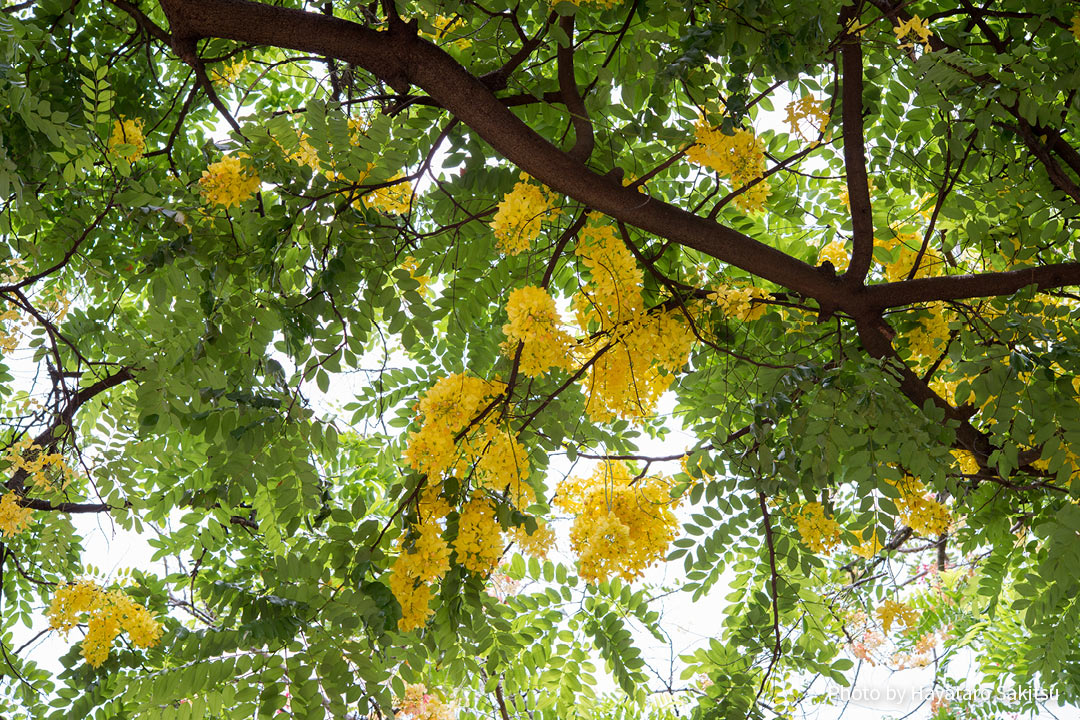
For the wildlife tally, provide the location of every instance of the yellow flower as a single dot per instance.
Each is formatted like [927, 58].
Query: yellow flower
[891, 611]
[914, 25]
[809, 109]
[622, 525]
[1076, 25]
[14, 518]
[228, 182]
[108, 611]
[742, 303]
[519, 216]
[535, 323]
[820, 533]
[837, 254]
[127, 141]
[739, 156]
[479, 542]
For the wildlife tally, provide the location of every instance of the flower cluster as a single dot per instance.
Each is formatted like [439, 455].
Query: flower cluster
[538, 544]
[409, 264]
[622, 525]
[419, 704]
[742, 302]
[820, 532]
[627, 379]
[394, 198]
[127, 141]
[836, 253]
[928, 339]
[1075, 27]
[230, 74]
[638, 351]
[613, 294]
[809, 110]
[108, 612]
[739, 156]
[445, 410]
[479, 544]
[305, 153]
[14, 518]
[519, 215]
[919, 510]
[418, 565]
[905, 248]
[891, 611]
[445, 27]
[869, 547]
[965, 461]
[47, 471]
[535, 323]
[916, 26]
[228, 182]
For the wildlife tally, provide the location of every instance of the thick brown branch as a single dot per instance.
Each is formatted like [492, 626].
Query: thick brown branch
[401, 59]
[579, 116]
[851, 108]
[959, 287]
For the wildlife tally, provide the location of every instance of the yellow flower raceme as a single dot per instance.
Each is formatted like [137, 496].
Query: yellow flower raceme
[419, 704]
[621, 526]
[447, 408]
[739, 156]
[891, 611]
[740, 302]
[919, 510]
[228, 182]
[806, 110]
[837, 254]
[108, 613]
[535, 323]
[628, 378]
[519, 216]
[928, 339]
[614, 291]
[14, 518]
[538, 544]
[916, 26]
[415, 569]
[819, 532]
[479, 542]
[127, 141]
[45, 471]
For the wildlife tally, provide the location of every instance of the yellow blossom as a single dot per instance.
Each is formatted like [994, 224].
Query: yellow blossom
[519, 216]
[739, 156]
[740, 302]
[228, 182]
[536, 544]
[915, 25]
[820, 533]
[108, 612]
[891, 611]
[127, 141]
[535, 323]
[479, 543]
[14, 518]
[835, 253]
[809, 109]
[621, 525]
[919, 510]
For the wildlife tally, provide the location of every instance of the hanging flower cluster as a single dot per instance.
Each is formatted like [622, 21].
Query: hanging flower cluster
[127, 141]
[807, 110]
[108, 612]
[519, 216]
[818, 531]
[535, 323]
[228, 182]
[742, 302]
[919, 510]
[14, 518]
[739, 157]
[622, 525]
